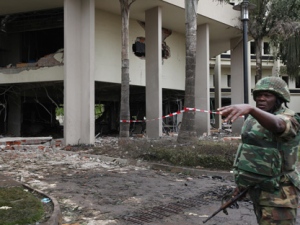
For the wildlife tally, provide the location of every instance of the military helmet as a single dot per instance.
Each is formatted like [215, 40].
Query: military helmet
[275, 85]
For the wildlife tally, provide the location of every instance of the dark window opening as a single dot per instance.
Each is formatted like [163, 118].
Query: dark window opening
[37, 44]
[228, 80]
[297, 81]
[27, 37]
[252, 48]
[266, 48]
[286, 79]
[31, 46]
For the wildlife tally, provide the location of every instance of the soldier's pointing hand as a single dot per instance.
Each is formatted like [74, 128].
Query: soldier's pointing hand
[233, 112]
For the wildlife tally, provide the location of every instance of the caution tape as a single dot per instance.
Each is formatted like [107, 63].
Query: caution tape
[170, 115]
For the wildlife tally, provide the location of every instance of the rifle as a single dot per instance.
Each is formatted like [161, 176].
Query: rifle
[227, 204]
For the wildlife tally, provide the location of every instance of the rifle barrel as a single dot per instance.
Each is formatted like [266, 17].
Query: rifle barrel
[215, 213]
[227, 204]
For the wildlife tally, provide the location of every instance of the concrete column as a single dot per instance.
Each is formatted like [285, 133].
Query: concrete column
[79, 81]
[202, 96]
[14, 116]
[218, 91]
[153, 30]
[237, 80]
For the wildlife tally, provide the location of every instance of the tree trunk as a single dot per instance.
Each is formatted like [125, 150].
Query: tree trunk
[124, 108]
[187, 132]
[258, 52]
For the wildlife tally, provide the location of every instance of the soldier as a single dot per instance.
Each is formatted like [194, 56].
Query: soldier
[267, 156]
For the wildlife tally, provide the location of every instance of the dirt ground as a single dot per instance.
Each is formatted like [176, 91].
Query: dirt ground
[98, 190]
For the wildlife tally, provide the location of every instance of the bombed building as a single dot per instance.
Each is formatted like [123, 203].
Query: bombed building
[60, 66]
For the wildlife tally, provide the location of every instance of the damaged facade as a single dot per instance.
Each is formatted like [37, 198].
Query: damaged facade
[67, 54]
[31, 46]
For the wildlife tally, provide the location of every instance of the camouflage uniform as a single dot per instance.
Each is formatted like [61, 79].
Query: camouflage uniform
[267, 162]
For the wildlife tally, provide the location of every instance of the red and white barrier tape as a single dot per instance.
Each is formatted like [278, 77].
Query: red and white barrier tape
[171, 114]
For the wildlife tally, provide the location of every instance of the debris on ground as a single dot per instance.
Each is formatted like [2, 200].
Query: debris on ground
[93, 189]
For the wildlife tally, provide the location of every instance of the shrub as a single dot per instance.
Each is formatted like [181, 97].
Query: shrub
[206, 153]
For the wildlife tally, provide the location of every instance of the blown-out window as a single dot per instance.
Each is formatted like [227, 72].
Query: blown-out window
[139, 48]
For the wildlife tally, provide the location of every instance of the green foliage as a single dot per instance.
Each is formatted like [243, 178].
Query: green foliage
[279, 9]
[278, 20]
[259, 22]
[290, 56]
[99, 109]
[59, 111]
[24, 207]
[286, 34]
[269, 18]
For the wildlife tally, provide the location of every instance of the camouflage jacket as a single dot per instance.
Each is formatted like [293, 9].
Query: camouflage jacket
[265, 154]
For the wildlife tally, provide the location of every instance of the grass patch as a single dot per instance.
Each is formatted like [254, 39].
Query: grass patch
[19, 207]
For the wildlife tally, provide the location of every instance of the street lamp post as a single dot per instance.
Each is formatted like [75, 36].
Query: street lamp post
[244, 7]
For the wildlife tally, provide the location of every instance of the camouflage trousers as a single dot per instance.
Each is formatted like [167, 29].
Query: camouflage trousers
[279, 208]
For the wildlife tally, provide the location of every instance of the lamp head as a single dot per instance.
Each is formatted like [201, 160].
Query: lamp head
[244, 7]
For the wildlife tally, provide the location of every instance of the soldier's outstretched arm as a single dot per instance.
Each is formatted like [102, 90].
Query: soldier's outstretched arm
[267, 120]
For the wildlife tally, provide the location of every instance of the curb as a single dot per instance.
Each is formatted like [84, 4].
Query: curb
[56, 217]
